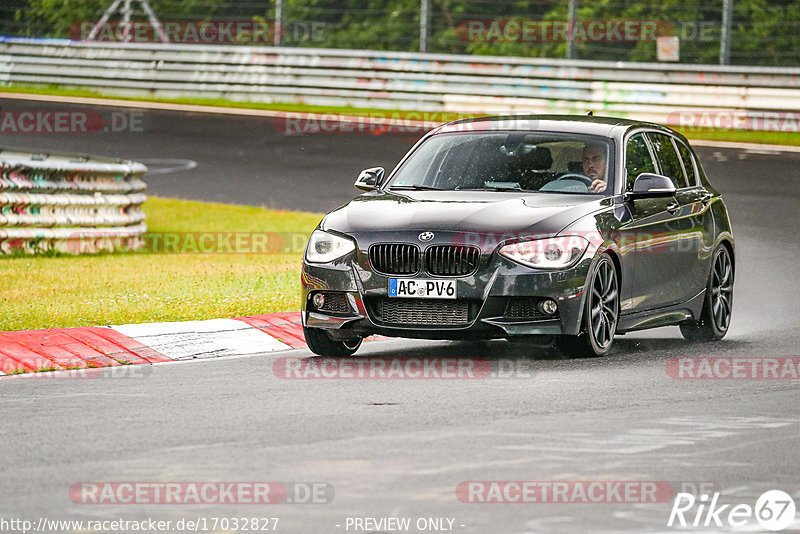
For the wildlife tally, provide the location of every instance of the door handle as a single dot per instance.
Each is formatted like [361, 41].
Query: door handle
[674, 207]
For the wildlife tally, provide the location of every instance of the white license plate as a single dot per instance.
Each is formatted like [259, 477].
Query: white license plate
[422, 288]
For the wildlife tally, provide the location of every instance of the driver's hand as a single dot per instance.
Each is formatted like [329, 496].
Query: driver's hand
[598, 186]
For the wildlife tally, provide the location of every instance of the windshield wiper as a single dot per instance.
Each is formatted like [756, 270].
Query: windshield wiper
[497, 188]
[415, 187]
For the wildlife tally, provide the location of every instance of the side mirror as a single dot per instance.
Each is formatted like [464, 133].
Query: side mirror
[648, 185]
[369, 179]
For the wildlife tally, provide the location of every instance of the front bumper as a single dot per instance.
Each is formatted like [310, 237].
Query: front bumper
[487, 293]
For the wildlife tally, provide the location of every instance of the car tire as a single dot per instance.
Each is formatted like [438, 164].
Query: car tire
[717, 304]
[600, 313]
[320, 343]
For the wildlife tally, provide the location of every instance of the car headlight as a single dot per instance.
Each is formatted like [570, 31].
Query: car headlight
[551, 253]
[324, 247]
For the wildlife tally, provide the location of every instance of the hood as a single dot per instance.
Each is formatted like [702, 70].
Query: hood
[459, 211]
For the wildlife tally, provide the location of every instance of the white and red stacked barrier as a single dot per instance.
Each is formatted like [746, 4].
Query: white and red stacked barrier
[69, 203]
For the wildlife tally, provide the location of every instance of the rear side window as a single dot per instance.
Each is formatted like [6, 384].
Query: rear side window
[688, 163]
[637, 159]
[668, 159]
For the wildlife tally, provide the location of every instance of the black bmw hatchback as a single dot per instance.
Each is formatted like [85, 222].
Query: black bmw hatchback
[573, 228]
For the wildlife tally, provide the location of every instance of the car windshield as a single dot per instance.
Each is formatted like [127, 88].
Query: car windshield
[508, 161]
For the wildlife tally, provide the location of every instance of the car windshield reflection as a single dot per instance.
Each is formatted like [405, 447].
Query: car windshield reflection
[515, 161]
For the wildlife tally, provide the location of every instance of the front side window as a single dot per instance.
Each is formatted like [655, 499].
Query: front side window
[688, 163]
[502, 161]
[668, 159]
[637, 159]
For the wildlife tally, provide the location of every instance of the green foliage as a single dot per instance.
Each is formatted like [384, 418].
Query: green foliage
[59, 18]
[765, 32]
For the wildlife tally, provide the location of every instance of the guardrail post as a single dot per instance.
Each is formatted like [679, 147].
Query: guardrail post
[571, 16]
[424, 30]
[725, 38]
[278, 22]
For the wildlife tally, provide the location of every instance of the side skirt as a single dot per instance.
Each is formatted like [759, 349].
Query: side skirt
[667, 316]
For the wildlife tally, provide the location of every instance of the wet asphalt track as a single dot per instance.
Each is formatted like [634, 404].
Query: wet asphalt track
[400, 448]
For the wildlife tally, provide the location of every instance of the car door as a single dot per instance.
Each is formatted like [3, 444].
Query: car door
[697, 227]
[645, 236]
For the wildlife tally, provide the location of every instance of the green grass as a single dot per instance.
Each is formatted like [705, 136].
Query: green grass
[137, 287]
[743, 136]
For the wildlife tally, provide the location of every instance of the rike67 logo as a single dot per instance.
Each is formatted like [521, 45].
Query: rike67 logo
[774, 511]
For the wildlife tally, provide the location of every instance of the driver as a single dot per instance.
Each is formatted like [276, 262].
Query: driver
[594, 166]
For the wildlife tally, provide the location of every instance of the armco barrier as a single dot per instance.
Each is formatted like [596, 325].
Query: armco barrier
[397, 80]
[69, 203]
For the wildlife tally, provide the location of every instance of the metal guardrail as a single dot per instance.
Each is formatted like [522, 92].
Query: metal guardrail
[397, 80]
[69, 203]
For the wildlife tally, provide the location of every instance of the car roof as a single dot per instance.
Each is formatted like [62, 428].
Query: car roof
[580, 124]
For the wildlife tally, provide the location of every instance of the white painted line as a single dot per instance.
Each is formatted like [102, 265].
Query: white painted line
[763, 152]
[167, 166]
[141, 104]
[744, 146]
[168, 106]
[202, 339]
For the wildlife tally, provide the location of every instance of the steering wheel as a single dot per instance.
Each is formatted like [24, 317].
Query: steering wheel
[577, 177]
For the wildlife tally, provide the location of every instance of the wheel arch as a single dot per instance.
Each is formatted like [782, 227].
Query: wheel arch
[724, 240]
[614, 256]
[729, 245]
[617, 265]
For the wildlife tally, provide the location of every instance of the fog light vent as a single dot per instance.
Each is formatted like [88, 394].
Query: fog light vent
[331, 301]
[530, 308]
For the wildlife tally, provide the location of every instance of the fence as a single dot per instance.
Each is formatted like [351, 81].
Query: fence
[738, 32]
[73, 204]
[400, 80]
